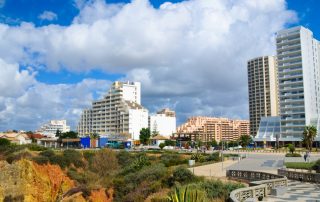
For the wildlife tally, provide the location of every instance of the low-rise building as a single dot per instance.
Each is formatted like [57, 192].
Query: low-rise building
[16, 138]
[163, 123]
[207, 129]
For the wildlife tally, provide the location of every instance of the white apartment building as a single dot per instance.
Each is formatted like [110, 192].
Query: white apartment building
[298, 70]
[164, 122]
[50, 129]
[263, 90]
[118, 113]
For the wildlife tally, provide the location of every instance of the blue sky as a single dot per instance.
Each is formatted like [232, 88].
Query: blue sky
[183, 54]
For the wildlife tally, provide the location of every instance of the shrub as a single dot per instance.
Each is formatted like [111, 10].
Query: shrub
[172, 159]
[213, 157]
[47, 153]
[293, 155]
[316, 166]
[58, 160]
[73, 157]
[41, 159]
[198, 157]
[299, 165]
[105, 163]
[183, 176]
[216, 189]
[124, 158]
[162, 145]
[36, 147]
[4, 142]
[19, 155]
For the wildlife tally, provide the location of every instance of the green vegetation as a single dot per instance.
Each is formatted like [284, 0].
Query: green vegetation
[300, 165]
[309, 134]
[132, 176]
[162, 145]
[4, 142]
[245, 140]
[293, 155]
[144, 135]
[291, 148]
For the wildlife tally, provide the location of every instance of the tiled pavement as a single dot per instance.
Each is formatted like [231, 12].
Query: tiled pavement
[300, 192]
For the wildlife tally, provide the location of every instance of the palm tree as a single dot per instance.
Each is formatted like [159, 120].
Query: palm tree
[309, 134]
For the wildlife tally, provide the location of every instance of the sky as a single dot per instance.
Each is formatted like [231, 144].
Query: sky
[57, 56]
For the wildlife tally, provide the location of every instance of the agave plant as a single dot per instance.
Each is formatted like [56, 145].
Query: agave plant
[188, 194]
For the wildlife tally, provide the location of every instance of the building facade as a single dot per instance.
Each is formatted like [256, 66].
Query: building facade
[298, 70]
[208, 129]
[163, 123]
[263, 90]
[118, 113]
[50, 129]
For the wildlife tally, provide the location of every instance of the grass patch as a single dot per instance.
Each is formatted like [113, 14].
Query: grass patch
[300, 165]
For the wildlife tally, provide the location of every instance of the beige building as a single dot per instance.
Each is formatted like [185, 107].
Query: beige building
[263, 90]
[118, 113]
[209, 128]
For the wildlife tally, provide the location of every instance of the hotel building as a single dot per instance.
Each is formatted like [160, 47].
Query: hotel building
[118, 113]
[50, 129]
[207, 129]
[263, 90]
[298, 69]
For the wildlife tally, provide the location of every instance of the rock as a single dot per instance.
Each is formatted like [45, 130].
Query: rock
[25, 180]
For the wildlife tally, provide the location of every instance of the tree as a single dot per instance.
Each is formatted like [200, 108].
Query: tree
[58, 133]
[245, 140]
[162, 145]
[214, 143]
[70, 134]
[291, 148]
[155, 132]
[144, 135]
[309, 134]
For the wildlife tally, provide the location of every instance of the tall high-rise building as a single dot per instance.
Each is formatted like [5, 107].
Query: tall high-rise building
[118, 113]
[263, 90]
[298, 58]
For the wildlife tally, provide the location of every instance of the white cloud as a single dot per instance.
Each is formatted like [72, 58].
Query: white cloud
[43, 102]
[48, 15]
[190, 55]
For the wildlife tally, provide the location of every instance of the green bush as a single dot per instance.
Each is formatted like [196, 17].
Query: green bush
[59, 160]
[4, 142]
[172, 159]
[198, 157]
[316, 166]
[293, 155]
[299, 165]
[41, 160]
[216, 189]
[124, 158]
[36, 147]
[183, 176]
[162, 145]
[47, 153]
[73, 157]
[19, 155]
[213, 157]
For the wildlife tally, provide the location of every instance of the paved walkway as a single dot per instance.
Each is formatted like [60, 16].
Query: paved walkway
[213, 170]
[298, 191]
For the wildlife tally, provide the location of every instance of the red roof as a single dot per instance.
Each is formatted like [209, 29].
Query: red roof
[35, 136]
